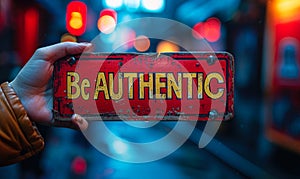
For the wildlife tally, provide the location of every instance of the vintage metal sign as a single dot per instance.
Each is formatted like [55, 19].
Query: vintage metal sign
[133, 86]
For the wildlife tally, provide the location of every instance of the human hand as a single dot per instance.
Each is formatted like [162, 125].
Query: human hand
[33, 84]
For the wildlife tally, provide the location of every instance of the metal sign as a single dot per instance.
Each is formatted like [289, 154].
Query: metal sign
[147, 87]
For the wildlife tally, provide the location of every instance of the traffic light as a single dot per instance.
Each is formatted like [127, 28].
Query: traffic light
[107, 21]
[76, 18]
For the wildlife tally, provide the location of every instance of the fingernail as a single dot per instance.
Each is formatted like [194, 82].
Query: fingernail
[89, 48]
[86, 43]
[80, 121]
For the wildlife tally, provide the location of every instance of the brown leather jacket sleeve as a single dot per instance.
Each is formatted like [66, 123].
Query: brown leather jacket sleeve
[19, 137]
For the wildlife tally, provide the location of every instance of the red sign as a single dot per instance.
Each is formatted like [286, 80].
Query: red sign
[133, 86]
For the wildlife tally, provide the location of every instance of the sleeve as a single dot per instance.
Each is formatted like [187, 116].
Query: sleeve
[19, 137]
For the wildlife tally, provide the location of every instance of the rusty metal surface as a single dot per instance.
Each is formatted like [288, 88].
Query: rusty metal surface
[132, 86]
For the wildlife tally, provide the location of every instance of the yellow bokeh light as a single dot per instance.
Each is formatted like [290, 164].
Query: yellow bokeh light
[106, 24]
[286, 10]
[68, 38]
[166, 46]
[141, 43]
[76, 20]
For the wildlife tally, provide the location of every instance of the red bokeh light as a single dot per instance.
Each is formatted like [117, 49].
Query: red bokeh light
[107, 21]
[210, 30]
[79, 165]
[76, 16]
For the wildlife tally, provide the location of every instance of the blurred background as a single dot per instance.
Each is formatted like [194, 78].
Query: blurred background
[263, 139]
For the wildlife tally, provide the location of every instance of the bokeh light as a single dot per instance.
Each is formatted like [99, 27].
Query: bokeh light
[210, 30]
[153, 5]
[68, 38]
[213, 29]
[132, 5]
[106, 24]
[142, 43]
[115, 4]
[76, 17]
[76, 20]
[107, 21]
[199, 30]
[79, 165]
[167, 46]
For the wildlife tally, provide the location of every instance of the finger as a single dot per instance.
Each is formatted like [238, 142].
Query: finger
[65, 124]
[80, 121]
[60, 50]
[89, 48]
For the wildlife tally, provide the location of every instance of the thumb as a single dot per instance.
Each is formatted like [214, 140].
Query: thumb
[60, 50]
[79, 121]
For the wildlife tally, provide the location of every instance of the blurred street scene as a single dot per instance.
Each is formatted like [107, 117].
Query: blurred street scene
[263, 139]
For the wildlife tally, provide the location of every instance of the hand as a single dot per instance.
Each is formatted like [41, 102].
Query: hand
[33, 84]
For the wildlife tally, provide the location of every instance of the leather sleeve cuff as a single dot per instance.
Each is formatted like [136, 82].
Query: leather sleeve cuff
[19, 136]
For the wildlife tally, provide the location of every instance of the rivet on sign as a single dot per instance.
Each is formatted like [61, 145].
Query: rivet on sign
[70, 105]
[211, 59]
[71, 61]
[213, 114]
